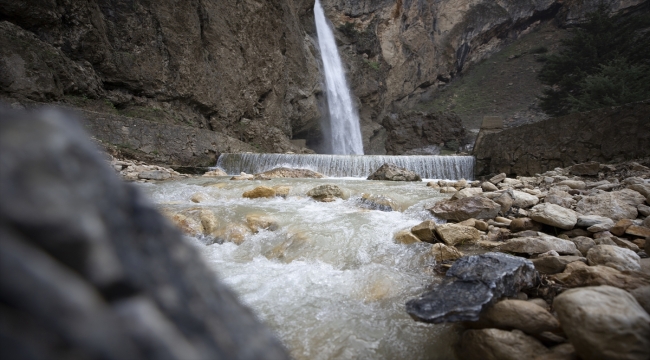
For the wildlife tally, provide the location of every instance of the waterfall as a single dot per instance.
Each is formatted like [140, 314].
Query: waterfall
[427, 166]
[344, 119]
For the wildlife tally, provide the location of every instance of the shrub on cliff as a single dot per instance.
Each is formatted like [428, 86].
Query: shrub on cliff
[606, 62]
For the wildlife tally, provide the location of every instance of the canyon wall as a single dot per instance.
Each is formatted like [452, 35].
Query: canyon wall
[249, 70]
[613, 134]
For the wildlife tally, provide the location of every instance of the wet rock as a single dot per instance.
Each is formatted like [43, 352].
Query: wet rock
[554, 215]
[498, 178]
[442, 252]
[604, 322]
[215, 173]
[583, 243]
[283, 172]
[199, 198]
[209, 222]
[578, 274]
[467, 192]
[471, 284]
[282, 190]
[488, 186]
[554, 264]
[406, 237]
[243, 176]
[495, 344]
[538, 245]
[426, 231]
[639, 231]
[187, 224]
[234, 233]
[259, 192]
[393, 173]
[476, 207]
[614, 257]
[326, 193]
[378, 202]
[615, 205]
[454, 234]
[585, 169]
[523, 224]
[517, 314]
[257, 222]
[154, 175]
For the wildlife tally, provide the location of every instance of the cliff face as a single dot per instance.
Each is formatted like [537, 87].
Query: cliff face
[203, 63]
[249, 69]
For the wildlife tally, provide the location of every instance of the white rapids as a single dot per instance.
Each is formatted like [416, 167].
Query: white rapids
[344, 119]
[330, 280]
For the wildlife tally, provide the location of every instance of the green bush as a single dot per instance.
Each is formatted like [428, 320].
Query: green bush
[606, 62]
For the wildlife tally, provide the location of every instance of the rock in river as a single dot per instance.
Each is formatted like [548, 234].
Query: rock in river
[394, 173]
[476, 207]
[471, 284]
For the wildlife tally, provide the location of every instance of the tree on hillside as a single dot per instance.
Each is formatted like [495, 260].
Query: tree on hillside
[606, 62]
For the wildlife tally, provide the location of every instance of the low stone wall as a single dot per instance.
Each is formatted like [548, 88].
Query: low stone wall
[611, 134]
[161, 143]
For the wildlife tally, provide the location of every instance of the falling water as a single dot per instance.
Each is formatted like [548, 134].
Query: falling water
[427, 166]
[344, 120]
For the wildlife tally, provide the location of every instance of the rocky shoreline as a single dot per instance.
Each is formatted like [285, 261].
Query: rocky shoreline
[583, 233]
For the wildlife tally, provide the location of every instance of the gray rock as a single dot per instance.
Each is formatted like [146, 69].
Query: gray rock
[591, 220]
[644, 210]
[585, 169]
[583, 243]
[554, 264]
[524, 200]
[476, 207]
[495, 344]
[498, 178]
[154, 175]
[615, 205]
[393, 173]
[615, 257]
[505, 200]
[539, 245]
[625, 243]
[472, 283]
[517, 314]
[488, 186]
[574, 184]
[642, 296]
[467, 192]
[326, 192]
[559, 197]
[378, 202]
[604, 322]
[554, 215]
[425, 231]
[642, 188]
[91, 270]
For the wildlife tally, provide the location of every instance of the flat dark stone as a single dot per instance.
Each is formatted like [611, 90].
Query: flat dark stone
[450, 302]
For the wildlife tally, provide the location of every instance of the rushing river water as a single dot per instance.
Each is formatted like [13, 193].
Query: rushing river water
[330, 280]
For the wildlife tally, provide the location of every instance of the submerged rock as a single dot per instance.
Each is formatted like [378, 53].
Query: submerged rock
[326, 193]
[259, 192]
[472, 283]
[393, 173]
[538, 245]
[378, 202]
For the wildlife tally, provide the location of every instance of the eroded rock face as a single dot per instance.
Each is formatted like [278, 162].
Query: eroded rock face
[604, 322]
[472, 283]
[77, 238]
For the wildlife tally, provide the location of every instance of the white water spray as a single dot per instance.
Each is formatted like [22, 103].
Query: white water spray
[344, 119]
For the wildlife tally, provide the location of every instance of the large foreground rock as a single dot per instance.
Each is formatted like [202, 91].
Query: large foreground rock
[476, 207]
[91, 270]
[394, 173]
[495, 344]
[615, 205]
[472, 283]
[604, 322]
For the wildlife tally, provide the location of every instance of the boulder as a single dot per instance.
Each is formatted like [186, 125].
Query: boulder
[215, 173]
[517, 314]
[624, 244]
[488, 186]
[495, 344]
[615, 205]
[573, 184]
[154, 175]
[498, 178]
[505, 201]
[426, 231]
[583, 243]
[481, 225]
[644, 210]
[554, 215]
[92, 270]
[257, 222]
[641, 188]
[471, 284]
[559, 197]
[243, 176]
[642, 296]
[454, 234]
[259, 192]
[283, 172]
[523, 224]
[619, 228]
[282, 190]
[326, 193]
[406, 237]
[467, 192]
[638, 231]
[578, 274]
[585, 169]
[614, 257]
[539, 245]
[524, 200]
[591, 220]
[378, 202]
[234, 233]
[604, 322]
[442, 252]
[554, 264]
[209, 222]
[393, 173]
[476, 207]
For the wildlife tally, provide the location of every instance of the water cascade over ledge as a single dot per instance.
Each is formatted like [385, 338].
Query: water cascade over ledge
[427, 166]
[344, 119]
